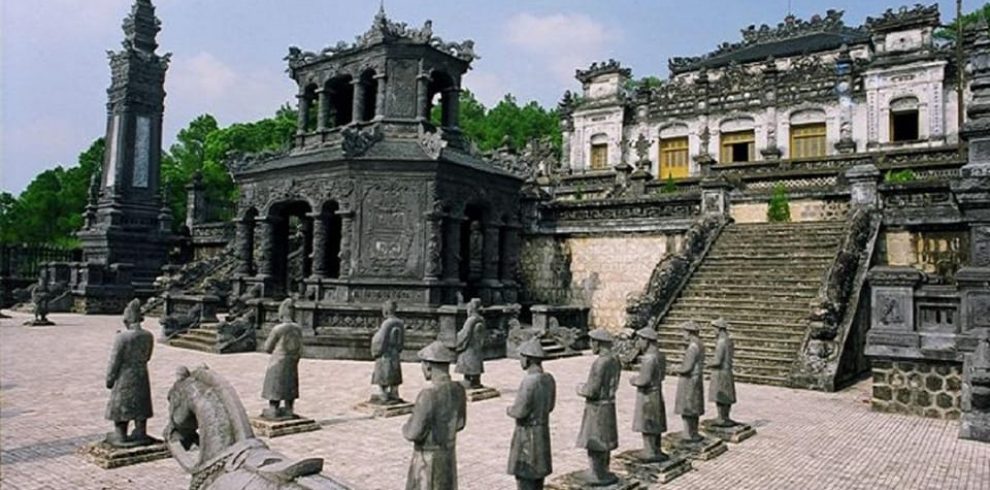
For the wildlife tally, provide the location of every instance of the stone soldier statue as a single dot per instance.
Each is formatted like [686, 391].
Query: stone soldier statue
[722, 387]
[599, 434]
[386, 347]
[650, 416]
[127, 380]
[40, 297]
[284, 343]
[690, 402]
[440, 412]
[471, 346]
[530, 456]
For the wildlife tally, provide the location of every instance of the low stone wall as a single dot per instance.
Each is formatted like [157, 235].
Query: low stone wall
[801, 210]
[924, 388]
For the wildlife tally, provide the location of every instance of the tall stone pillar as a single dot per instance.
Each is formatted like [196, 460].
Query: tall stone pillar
[266, 241]
[434, 245]
[346, 229]
[423, 96]
[323, 116]
[245, 245]
[452, 245]
[357, 109]
[302, 118]
[452, 107]
[319, 247]
[770, 74]
[843, 87]
[380, 96]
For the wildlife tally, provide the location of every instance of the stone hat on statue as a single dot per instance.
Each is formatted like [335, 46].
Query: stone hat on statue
[532, 349]
[720, 324]
[437, 352]
[601, 335]
[132, 313]
[647, 333]
[285, 310]
[690, 326]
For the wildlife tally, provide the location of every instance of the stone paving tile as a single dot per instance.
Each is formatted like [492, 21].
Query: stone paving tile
[52, 400]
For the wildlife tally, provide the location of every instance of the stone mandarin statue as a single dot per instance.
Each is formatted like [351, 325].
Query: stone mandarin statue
[471, 346]
[284, 343]
[650, 416]
[690, 402]
[722, 387]
[599, 433]
[530, 458]
[40, 297]
[439, 413]
[127, 380]
[386, 347]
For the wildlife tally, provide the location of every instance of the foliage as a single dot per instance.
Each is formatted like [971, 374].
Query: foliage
[779, 210]
[949, 32]
[579, 192]
[669, 186]
[506, 123]
[644, 83]
[900, 176]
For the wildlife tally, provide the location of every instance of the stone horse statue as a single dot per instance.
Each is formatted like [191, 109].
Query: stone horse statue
[222, 452]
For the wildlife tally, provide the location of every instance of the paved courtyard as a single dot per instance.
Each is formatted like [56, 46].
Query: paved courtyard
[52, 400]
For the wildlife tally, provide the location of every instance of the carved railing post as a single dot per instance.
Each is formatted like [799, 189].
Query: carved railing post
[319, 256]
[863, 180]
[265, 244]
[346, 230]
[245, 245]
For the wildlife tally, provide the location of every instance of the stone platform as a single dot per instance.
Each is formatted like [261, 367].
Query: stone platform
[483, 393]
[106, 456]
[735, 434]
[705, 449]
[374, 409]
[276, 428]
[632, 467]
[573, 481]
[39, 323]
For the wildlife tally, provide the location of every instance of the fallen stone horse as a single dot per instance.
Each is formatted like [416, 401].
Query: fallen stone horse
[222, 453]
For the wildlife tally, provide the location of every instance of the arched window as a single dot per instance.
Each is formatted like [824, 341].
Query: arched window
[904, 120]
[340, 95]
[737, 140]
[369, 95]
[808, 131]
[442, 85]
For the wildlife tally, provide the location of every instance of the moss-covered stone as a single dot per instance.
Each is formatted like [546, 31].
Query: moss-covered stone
[933, 383]
[882, 393]
[922, 399]
[943, 401]
[903, 396]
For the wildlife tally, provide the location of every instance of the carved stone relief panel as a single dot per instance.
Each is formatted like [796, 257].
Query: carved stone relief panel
[893, 308]
[391, 228]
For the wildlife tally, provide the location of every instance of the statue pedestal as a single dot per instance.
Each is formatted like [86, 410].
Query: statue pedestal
[39, 323]
[107, 456]
[736, 433]
[707, 448]
[383, 410]
[575, 481]
[483, 393]
[633, 468]
[266, 427]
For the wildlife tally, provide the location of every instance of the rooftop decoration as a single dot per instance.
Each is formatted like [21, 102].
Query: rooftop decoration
[601, 68]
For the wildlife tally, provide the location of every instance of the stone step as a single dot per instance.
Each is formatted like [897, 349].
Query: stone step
[193, 344]
[752, 285]
[672, 320]
[718, 307]
[205, 334]
[760, 302]
[804, 257]
[677, 316]
[743, 293]
[794, 268]
[741, 338]
[760, 354]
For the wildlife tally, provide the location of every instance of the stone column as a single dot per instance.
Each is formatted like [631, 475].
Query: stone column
[265, 230]
[452, 107]
[346, 226]
[306, 226]
[303, 116]
[323, 117]
[195, 202]
[319, 248]
[357, 109]
[434, 245]
[380, 96]
[423, 96]
[843, 87]
[452, 259]
[490, 253]
[863, 181]
[245, 245]
[770, 73]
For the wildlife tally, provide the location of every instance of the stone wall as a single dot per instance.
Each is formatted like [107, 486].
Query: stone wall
[924, 388]
[801, 210]
[933, 252]
[596, 271]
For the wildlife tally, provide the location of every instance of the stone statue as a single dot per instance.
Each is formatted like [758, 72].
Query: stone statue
[471, 346]
[722, 387]
[236, 333]
[386, 347]
[40, 297]
[599, 434]
[529, 455]
[650, 416]
[210, 436]
[439, 413]
[284, 343]
[177, 323]
[127, 380]
[690, 402]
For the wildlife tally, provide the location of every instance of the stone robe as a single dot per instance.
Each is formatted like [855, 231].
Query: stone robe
[439, 413]
[529, 454]
[471, 347]
[650, 415]
[722, 387]
[127, 376]
[284, 343]
[598, 427]
[690, 385]
[386, 347]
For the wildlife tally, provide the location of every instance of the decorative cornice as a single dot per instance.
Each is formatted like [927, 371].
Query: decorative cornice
[601, 68]
[904, 17]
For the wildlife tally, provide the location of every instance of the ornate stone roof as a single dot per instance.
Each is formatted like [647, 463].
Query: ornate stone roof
[792, 37]
[905, 18]
[385, 31]
[601, 68]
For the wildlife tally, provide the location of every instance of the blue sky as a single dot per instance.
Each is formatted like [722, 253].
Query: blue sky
[227, 54]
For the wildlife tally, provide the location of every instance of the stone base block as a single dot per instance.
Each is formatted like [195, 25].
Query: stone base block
[737, 433]
[632, 467]
[975, 426]
[575, 481]
[707, 448]
[275, 428]
[383, 410]
[106, 456]
[483, 393]
[39, 323]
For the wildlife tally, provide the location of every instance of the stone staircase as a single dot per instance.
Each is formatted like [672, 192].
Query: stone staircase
[762, 278]
[202, 338]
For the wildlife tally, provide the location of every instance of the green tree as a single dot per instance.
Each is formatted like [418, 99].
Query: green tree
[949, 31]
[779, 210]
[506, 122]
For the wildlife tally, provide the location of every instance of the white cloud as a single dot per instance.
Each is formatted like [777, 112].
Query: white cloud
[203, 75]
[487, 87]
[562, 41]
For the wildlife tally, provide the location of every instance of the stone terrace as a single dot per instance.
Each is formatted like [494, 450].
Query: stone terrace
[52, 400]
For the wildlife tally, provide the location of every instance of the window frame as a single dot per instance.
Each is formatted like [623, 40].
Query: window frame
[670, 151]
[805, 133]
[728, 139]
